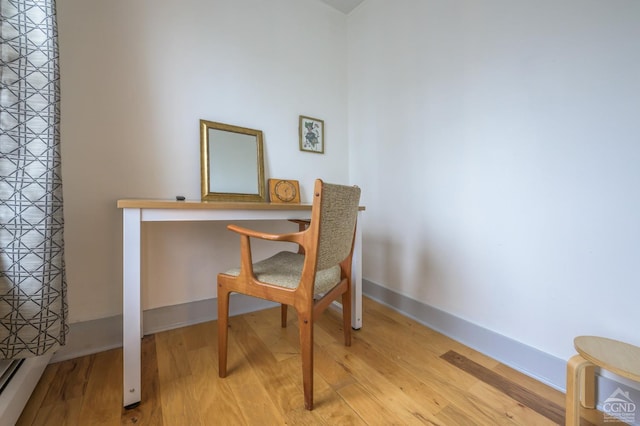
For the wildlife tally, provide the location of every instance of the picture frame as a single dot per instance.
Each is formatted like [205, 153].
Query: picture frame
[311, 132]
[231, 163]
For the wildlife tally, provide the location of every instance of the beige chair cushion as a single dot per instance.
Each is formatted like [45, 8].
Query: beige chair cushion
[285, 268]
[338, 214]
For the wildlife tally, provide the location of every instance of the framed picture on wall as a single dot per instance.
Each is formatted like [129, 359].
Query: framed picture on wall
[311, 131]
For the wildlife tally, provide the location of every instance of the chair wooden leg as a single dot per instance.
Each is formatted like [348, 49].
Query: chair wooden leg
[283, 315]
[305, 324]
[223, 329]
[346, 317]
[575, 371]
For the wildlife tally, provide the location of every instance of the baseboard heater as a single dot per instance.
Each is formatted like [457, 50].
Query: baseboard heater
[8, 367]
[18, 379]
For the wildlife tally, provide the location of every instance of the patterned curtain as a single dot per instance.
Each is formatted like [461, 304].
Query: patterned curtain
[33, 309]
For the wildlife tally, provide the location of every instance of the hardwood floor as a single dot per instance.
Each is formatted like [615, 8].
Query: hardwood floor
[397, 372]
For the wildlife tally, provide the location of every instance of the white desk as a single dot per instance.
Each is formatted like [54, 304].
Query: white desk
[134, 212]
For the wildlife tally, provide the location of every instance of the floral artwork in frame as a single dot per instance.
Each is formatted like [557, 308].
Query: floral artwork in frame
[311, 134]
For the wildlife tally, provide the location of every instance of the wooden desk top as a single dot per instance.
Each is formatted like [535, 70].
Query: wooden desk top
[208, 205]
[211, 205]
[620, 358]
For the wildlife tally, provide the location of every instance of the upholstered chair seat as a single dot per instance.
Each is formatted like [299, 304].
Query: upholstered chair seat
[285, 270]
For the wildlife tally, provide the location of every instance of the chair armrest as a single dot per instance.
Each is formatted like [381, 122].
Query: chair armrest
[294, 237]
[246, 262]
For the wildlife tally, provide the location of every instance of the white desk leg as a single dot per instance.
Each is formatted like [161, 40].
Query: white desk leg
[131, 335]
[356, 277]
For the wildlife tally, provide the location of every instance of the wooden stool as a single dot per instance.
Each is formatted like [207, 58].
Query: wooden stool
[620, 358]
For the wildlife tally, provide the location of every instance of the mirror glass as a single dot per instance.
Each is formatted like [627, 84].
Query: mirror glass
[232, 164]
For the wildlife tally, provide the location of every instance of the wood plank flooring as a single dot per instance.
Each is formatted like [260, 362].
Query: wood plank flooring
[397, 372]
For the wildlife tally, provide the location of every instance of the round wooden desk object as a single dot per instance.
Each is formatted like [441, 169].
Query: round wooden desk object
[617, 357]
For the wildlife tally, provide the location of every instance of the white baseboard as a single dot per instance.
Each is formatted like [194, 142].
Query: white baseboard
[530, 361]
[89, 337]
[99, 335]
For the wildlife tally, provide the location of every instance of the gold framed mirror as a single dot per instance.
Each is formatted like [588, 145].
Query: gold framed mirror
[231, 163]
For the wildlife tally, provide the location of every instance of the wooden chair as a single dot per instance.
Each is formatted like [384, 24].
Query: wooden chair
[309, 280]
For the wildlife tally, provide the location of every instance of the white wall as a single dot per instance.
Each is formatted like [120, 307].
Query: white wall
[503, 134]
[136, 77]
[498, 146]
